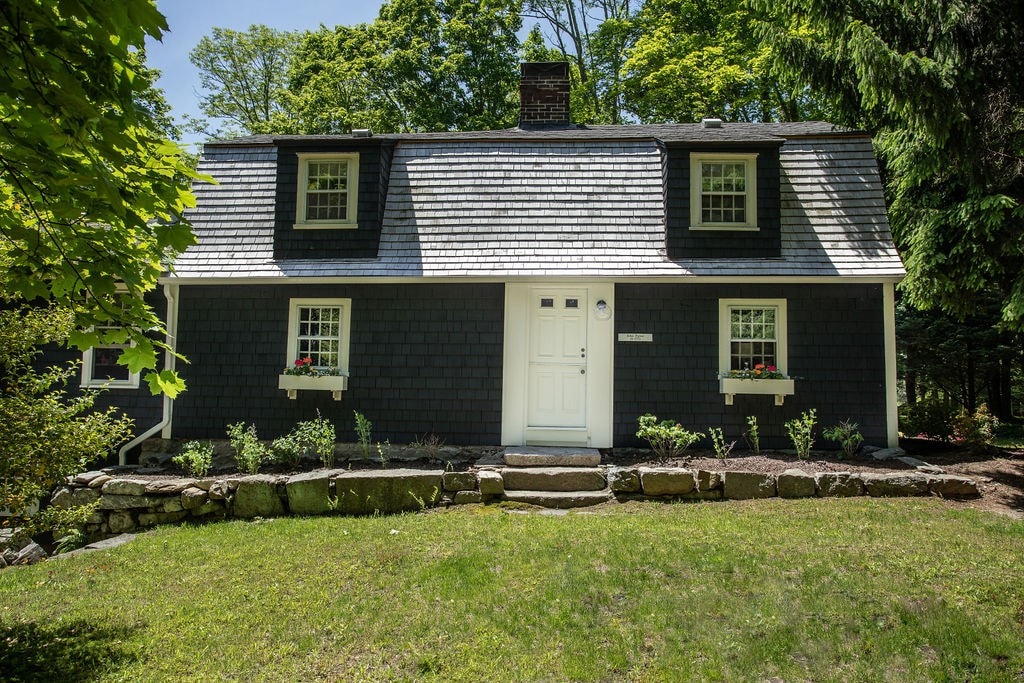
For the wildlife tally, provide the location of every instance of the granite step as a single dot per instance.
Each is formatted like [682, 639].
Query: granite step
[561, 500]
[543, 456]
[553, 478]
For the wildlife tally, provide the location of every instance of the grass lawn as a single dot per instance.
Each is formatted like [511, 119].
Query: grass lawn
[823, 590]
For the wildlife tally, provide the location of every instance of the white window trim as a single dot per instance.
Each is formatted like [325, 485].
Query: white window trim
[750, 161]
[90, 382]
[350, 222]
[725, 331]
[293, 328]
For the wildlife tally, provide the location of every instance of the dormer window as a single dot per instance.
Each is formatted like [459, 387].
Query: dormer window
[723, 192]
[328, 188]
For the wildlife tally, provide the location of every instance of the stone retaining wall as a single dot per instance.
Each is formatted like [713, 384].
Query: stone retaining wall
[126, 503]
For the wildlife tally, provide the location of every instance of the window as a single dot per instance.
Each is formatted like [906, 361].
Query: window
[328, 188]
[723, 192]
[752, 332]
[100, 368]
[319, 329]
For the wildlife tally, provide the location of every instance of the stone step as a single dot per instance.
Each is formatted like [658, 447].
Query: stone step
[553, 478]
[561, 500]
[543, 456]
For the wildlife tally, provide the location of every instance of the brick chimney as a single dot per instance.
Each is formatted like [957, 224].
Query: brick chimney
[543, 94]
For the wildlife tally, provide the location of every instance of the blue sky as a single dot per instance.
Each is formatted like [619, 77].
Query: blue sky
[190, 20]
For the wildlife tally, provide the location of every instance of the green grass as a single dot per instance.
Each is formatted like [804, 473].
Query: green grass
[833, 590]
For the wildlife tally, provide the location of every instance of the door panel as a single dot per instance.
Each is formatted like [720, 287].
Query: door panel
[557, 379]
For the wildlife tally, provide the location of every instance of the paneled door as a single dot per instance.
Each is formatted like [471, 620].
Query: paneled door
[557, 377]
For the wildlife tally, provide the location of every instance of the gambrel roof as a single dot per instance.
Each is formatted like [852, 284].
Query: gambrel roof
[577, 202]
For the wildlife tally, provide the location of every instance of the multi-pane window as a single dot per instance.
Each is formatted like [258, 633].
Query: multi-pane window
[723, 190]
[753, 338]
[319, 331]
[752, 332]
[319, 335]
[100, 367]
[327, 190]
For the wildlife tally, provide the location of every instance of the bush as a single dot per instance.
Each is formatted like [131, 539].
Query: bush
[722, 449]
[846, 435]
[667, 439]
[250, 454]
[45, 435]
[195, 458]
[310, 437]
[978, 430]
[931, 417]
[801, 433]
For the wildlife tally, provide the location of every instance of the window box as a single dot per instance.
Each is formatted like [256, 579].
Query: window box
[780, 388]
[332, 383]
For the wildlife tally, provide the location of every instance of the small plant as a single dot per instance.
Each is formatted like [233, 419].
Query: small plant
[249, 452]
[430, 444]
[752, 436]
[759, 371]
[311, 436]
[801, 433]
[304, 366]
[667, 439]
[195, 457]
[846, 435]
[978, 430]
[384, 453]
[722, 449]
[364, 430]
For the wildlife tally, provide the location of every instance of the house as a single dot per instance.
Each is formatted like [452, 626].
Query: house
[545, 284]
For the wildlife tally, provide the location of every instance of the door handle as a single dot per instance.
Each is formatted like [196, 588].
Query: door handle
[583, 371]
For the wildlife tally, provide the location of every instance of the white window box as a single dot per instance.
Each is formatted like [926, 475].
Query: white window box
[332, 383]
[780, 388]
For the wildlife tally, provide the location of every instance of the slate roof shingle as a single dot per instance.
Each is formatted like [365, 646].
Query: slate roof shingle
[505, 204]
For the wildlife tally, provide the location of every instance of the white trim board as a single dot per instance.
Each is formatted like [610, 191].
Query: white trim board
[667, 279]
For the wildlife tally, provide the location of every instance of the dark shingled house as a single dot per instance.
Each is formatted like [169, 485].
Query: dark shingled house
[540, 285]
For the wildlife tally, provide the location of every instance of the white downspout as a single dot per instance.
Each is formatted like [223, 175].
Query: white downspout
[171, 294]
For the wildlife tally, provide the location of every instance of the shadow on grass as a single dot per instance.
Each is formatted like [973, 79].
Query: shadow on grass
[66, 652]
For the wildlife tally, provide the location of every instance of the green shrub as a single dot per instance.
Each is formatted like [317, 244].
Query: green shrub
[846, 435]
[667, 439]
[978, 430]
[801, 433]
[250, 454]
[46, 434]
[722, 449]
[751, 435]
[309, 437]
[931, 417]
[195, 457]
[364, 432]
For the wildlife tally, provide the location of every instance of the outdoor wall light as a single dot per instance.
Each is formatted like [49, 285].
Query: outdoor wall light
[602, 311]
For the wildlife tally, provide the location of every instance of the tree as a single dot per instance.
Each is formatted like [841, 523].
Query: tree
[90, 187]
[695, 58]
[594, 36]
[44, 434]
[940, 84]
[244, 74]
[423, 65]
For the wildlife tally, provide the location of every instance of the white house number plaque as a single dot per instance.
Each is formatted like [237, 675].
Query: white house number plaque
[636, 337]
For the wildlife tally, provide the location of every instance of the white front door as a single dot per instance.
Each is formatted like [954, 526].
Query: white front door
[558, 364]
[557, 376]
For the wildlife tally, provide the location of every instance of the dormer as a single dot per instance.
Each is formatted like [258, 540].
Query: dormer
[330, 196]
[722, 197]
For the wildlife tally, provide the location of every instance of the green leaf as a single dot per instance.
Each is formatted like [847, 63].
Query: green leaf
[165, 382]
[138, 358]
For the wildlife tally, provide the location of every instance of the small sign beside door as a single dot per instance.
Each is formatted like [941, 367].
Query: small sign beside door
[636, 337]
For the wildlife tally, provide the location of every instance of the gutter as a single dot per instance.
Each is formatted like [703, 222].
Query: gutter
[164, 426]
